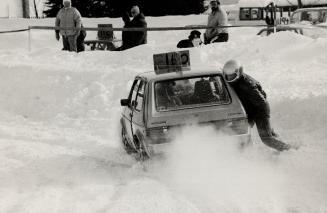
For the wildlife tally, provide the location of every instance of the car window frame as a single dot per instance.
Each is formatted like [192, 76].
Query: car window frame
[138, 94]
[194, 105]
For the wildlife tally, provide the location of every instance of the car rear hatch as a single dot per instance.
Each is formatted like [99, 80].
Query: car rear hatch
[229, 119]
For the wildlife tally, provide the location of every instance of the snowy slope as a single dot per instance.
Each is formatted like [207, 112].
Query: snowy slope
[59, 129]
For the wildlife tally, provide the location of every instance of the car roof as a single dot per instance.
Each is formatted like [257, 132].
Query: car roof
[310, 8]
[152, 76]
[286, 27]
[279, 28]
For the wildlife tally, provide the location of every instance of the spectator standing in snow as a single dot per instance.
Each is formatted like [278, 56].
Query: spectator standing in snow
[68, 16]
[217, 17]
[194, 40]
[138, 21]
[125, 35]
[255, 103]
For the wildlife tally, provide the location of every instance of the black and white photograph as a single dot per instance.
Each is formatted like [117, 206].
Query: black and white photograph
[163, 106]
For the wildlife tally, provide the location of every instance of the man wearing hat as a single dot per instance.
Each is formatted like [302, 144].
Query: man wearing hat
[217, 18]
[194, 40]
[68, 16]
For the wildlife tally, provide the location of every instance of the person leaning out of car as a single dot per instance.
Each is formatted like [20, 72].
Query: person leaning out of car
[255, 103]
[68, 17]
[194, 40]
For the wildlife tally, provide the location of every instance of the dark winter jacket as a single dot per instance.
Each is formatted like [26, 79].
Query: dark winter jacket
[252, 97]
[138, 37]
[185, 43]
[126, 36]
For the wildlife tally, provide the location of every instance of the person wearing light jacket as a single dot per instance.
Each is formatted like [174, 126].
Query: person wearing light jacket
[217, 18]
[68, 16]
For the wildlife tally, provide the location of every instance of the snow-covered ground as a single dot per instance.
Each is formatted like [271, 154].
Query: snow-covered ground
[59, 128]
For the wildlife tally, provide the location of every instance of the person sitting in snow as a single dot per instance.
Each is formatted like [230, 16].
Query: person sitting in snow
[255, 103]
[68, 16]
[194, 40]
[217, 18]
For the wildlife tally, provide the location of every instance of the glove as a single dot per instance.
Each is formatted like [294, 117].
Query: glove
[251, 122]
[57, 36]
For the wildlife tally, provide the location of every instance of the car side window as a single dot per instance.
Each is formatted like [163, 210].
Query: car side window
[139, 97]
[134, 93]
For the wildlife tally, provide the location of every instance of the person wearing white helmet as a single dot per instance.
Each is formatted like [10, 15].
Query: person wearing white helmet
[254, 101]
[68, 17]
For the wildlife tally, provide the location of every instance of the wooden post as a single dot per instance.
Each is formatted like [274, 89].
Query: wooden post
[29, 39]
[8, 9]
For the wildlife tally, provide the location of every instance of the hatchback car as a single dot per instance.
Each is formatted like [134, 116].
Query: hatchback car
[159, 105]
[269, 30]
[309, 16]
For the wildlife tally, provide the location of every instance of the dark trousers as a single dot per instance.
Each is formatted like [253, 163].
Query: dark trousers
[268, 136]
[80, 44]
[222, 37]
[69, 43]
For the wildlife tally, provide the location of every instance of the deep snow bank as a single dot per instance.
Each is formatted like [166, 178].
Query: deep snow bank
[59, 129]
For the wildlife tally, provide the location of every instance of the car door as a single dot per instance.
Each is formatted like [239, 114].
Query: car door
[133, 114]
[138, 108]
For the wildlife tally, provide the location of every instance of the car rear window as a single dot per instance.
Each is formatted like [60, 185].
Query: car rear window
[190, 92]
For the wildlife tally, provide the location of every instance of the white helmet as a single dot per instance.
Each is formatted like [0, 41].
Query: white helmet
[232, 70]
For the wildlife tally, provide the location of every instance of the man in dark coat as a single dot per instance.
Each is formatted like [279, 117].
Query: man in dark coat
[193, 40]
[255, 103]
[138, 21]
[125, 35]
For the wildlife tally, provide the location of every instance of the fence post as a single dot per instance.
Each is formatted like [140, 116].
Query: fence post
[29, 39]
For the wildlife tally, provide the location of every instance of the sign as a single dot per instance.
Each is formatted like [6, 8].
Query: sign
[105, 34]
[171, 62]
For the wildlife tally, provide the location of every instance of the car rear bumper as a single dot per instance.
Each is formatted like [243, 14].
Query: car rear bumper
[162, 148]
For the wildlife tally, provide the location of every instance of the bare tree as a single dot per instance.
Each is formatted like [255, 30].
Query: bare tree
[26, 8]
[299, 3]
[35, 8]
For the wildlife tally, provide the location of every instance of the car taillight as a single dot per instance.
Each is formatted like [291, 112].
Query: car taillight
[157, 131]
[239, 126]
[157, 135]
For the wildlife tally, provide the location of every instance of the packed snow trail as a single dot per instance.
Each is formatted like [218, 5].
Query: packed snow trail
[60, 146]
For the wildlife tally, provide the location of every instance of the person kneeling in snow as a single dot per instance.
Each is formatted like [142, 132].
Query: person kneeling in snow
[193, 40]
[255, 103]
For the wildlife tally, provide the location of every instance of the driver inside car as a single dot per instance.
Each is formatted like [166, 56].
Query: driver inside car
[165, 95]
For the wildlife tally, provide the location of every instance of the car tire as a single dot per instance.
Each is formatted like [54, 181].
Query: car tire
[143, 150]
[128, 148]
